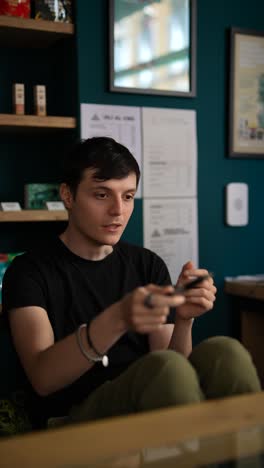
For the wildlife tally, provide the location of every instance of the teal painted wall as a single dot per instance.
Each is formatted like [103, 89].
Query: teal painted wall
[223, 250]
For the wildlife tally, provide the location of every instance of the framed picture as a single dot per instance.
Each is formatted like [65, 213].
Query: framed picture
[246, 116]
[153, 46]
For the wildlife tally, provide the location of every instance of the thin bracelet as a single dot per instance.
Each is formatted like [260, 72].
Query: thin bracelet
[85, 353]
[103, 358]
[90, 343]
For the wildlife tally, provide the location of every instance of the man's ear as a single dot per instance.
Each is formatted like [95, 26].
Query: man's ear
[66, 195]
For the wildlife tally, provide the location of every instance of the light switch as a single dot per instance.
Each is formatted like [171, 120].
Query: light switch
[237, 204]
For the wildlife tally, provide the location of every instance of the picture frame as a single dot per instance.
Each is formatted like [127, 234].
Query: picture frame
[246, 94]
[152, 47]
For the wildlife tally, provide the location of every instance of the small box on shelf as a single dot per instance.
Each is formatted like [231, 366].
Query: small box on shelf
[52, 10]
[40, 105]
[36, 195]
[55, 206]
[10, 206]
[15, 8]
[19, 98]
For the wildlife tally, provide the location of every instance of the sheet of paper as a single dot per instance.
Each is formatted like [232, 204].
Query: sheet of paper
[122, 123]
[170, 230]
[170, 152]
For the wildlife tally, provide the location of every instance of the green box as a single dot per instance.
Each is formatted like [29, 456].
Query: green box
[36, 195]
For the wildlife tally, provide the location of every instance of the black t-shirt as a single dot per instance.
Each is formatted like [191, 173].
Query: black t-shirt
[73, 291]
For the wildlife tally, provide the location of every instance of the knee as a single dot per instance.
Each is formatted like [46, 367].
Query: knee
[169, 362]
[238, 363]
[168, 379]
[232, 353]
[226, 363]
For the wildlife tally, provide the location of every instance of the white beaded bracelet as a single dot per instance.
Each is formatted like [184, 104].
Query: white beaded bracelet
[103, 358]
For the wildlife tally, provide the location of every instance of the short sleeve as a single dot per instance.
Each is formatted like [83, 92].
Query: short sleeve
[22, 285]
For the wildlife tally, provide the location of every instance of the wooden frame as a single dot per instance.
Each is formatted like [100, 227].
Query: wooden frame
[246, 112]
[144, 40]
[193, 435]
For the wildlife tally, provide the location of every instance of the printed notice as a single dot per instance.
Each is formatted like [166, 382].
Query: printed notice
[170, 230]
[170, 153]
[119, 122]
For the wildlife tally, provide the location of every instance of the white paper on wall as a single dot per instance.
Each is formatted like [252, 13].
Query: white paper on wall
[123, 123]
[170, 230]
[169, 152]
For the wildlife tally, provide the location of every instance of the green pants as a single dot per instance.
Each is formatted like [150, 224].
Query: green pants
[217, 367]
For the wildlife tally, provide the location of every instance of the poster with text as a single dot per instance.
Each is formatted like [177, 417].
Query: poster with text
[169, 153]
[171, 231]
[119, 122]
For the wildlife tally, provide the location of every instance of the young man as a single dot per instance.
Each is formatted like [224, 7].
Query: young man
[87, 300]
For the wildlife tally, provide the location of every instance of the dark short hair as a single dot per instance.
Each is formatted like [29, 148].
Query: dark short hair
[109, 159]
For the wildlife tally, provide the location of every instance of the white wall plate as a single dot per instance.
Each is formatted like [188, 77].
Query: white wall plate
[237, 204]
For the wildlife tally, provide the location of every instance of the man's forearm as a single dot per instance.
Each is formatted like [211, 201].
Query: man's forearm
[181, 339]
[63, 363]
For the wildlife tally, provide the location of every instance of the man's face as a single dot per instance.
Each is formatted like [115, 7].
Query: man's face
[101, 210]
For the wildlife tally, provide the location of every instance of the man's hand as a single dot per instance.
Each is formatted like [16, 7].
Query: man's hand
[148, 316]
[201, 298]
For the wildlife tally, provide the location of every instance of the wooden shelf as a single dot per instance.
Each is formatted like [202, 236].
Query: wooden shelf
[32, 216]
[22, 32]
[13, 122]
[248, 289]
